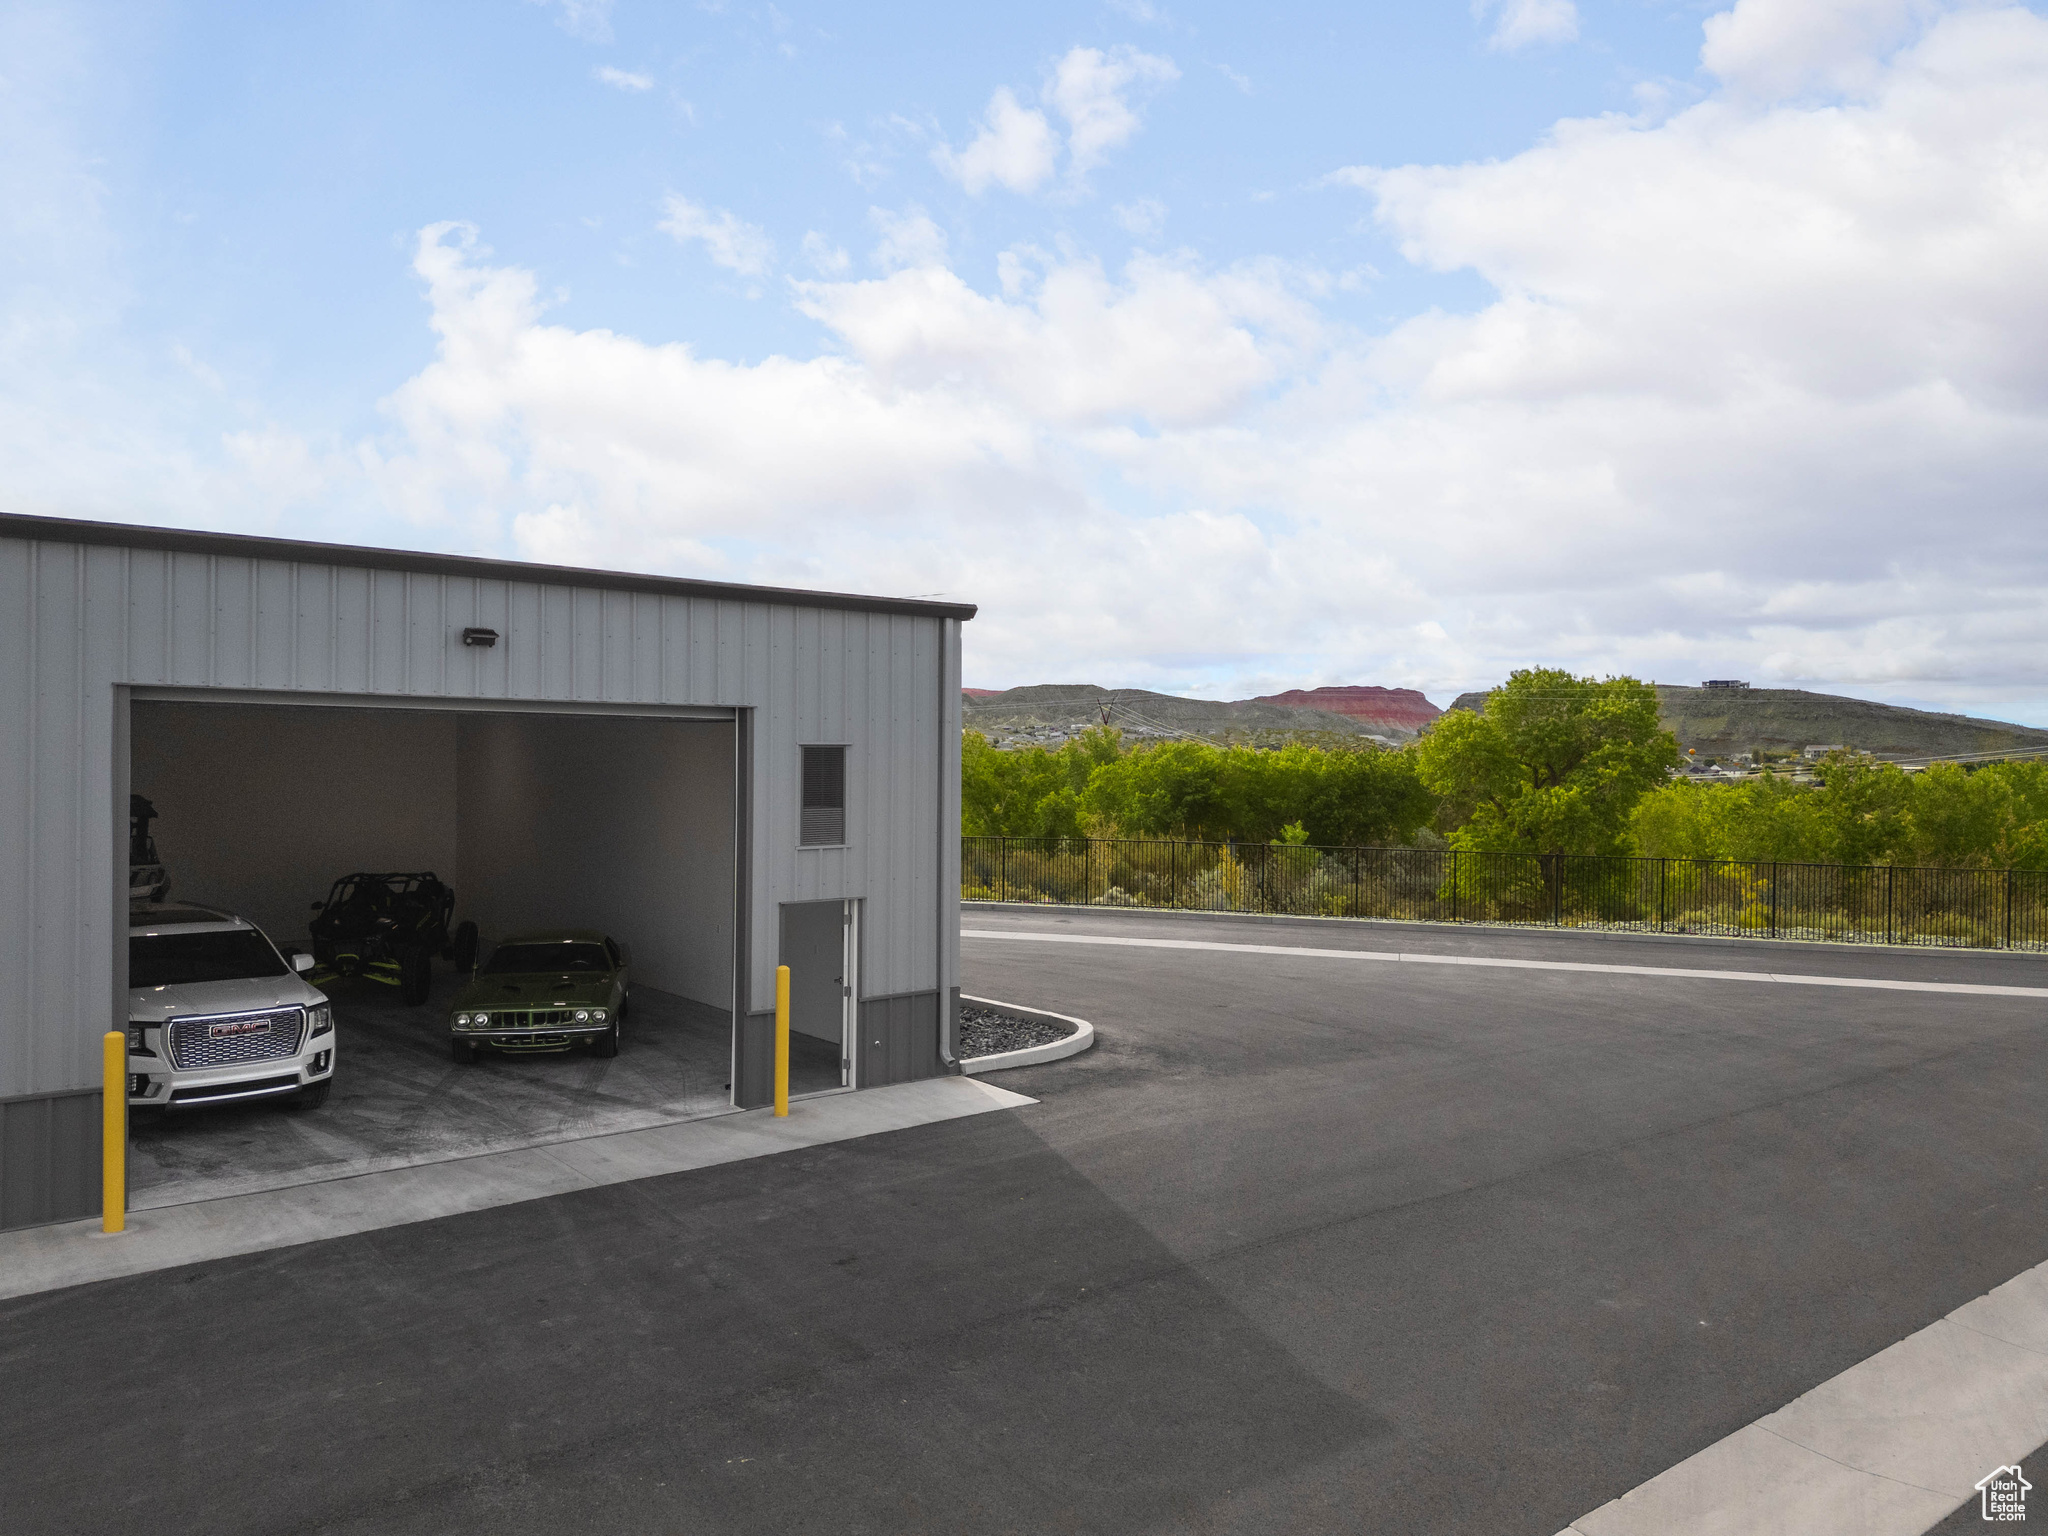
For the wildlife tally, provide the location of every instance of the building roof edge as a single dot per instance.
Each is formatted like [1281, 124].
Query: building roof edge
[249, 546]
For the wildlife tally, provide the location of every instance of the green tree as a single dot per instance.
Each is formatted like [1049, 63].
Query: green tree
[1761, 819]
[1175, 789]
[1554, 764]
[1029, 793]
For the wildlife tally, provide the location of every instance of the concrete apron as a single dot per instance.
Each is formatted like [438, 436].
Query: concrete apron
[1892, 1445]
[76, 1253]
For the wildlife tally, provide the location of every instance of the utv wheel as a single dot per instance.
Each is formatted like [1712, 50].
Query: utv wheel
[606, 1044]
[463, 1051]
[463, 950]
[311, 1097]
[415, 977]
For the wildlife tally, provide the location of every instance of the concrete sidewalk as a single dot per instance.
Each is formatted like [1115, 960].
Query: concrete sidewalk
[1888, 1448]
[76, 1253]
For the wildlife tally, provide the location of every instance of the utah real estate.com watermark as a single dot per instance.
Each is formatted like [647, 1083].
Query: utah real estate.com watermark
[2003, 1493]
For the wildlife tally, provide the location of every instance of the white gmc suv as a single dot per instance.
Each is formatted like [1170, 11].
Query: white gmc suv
[216, 1014]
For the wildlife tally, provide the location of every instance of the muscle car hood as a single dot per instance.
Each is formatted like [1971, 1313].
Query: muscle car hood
[543, 989]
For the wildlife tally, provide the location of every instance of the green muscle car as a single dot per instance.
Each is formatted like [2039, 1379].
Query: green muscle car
[544, 992]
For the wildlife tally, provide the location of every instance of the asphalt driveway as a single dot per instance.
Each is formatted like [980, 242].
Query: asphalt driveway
[1300, 1245]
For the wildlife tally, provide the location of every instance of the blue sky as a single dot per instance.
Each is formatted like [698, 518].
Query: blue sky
[1209, 350]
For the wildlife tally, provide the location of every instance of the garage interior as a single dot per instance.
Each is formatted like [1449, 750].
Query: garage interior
[537, 819]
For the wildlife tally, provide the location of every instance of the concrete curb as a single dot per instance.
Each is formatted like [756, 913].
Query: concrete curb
[1634, 935]
[1079, 1041]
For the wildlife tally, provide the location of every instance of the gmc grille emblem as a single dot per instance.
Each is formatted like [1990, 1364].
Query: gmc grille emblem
[238, 1027]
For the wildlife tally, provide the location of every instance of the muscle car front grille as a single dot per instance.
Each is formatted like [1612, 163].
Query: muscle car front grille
[537, 1018]
[228, 1039]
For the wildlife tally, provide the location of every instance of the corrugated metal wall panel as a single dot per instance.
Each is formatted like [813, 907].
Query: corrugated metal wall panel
[18, 644]
[899, 1039]
[76, 621]
[49, 1159]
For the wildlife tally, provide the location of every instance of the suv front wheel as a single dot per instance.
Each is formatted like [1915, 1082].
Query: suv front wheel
[312, 1096]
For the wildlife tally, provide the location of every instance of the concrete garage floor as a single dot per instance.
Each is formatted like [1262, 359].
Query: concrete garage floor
[1300, 1245]
[399, 1099]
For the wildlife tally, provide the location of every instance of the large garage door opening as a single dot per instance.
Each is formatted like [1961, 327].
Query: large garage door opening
[593, 857]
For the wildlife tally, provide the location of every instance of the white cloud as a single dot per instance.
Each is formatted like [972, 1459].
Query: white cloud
[1089, 88]
[1071, 346]
[727, 239]
[623, 80]
[590, 20]
[1016, 149]
[1523, 23]
[909, 239]
[1776, 47]
[823, 255]
[1144, 217]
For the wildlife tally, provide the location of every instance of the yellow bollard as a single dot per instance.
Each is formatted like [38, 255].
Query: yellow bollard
[782, 1040]
[114, 1131]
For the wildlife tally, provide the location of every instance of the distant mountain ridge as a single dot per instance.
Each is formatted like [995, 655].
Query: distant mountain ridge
[1719, 722]
[1055, 711]
[1403, 707]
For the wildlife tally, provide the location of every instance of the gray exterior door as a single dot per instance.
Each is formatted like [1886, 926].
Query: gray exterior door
[816, 936]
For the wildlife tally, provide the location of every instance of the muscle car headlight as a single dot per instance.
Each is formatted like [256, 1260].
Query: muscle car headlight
[319, 1020]
[582, 1015]
[598, 1015]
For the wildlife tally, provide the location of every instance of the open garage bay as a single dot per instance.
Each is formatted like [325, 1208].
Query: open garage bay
[539, 821]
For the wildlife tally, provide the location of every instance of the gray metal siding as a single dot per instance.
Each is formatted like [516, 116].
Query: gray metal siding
[899, 1039]
[49, 1159]
[754, 1061]
[77, 620]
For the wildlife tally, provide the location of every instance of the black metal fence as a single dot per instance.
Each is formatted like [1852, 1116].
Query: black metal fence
[1858, 904]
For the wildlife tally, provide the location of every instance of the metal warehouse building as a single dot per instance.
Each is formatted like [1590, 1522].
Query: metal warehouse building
[724, 777]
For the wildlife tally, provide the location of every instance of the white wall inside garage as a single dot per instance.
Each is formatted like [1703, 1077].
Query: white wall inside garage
[536, 820]
[260, 808]
[618, 824]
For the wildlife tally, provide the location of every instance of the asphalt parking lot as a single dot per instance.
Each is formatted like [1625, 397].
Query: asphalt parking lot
[1300, 1245]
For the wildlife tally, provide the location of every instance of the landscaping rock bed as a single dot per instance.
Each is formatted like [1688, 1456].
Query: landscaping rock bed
[984, 1032]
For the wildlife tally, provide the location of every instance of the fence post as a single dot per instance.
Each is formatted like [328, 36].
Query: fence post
[2008, 910]
[1663, 875]
[1556, 862]
[1003, 868]
[1889, 871]
[1454, 885]
[1774, 898]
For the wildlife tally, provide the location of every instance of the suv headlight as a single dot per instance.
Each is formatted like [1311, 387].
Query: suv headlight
[319, 1020]
[137, 1042]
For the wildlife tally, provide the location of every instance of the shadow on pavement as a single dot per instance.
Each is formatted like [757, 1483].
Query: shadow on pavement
[946, 1329]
